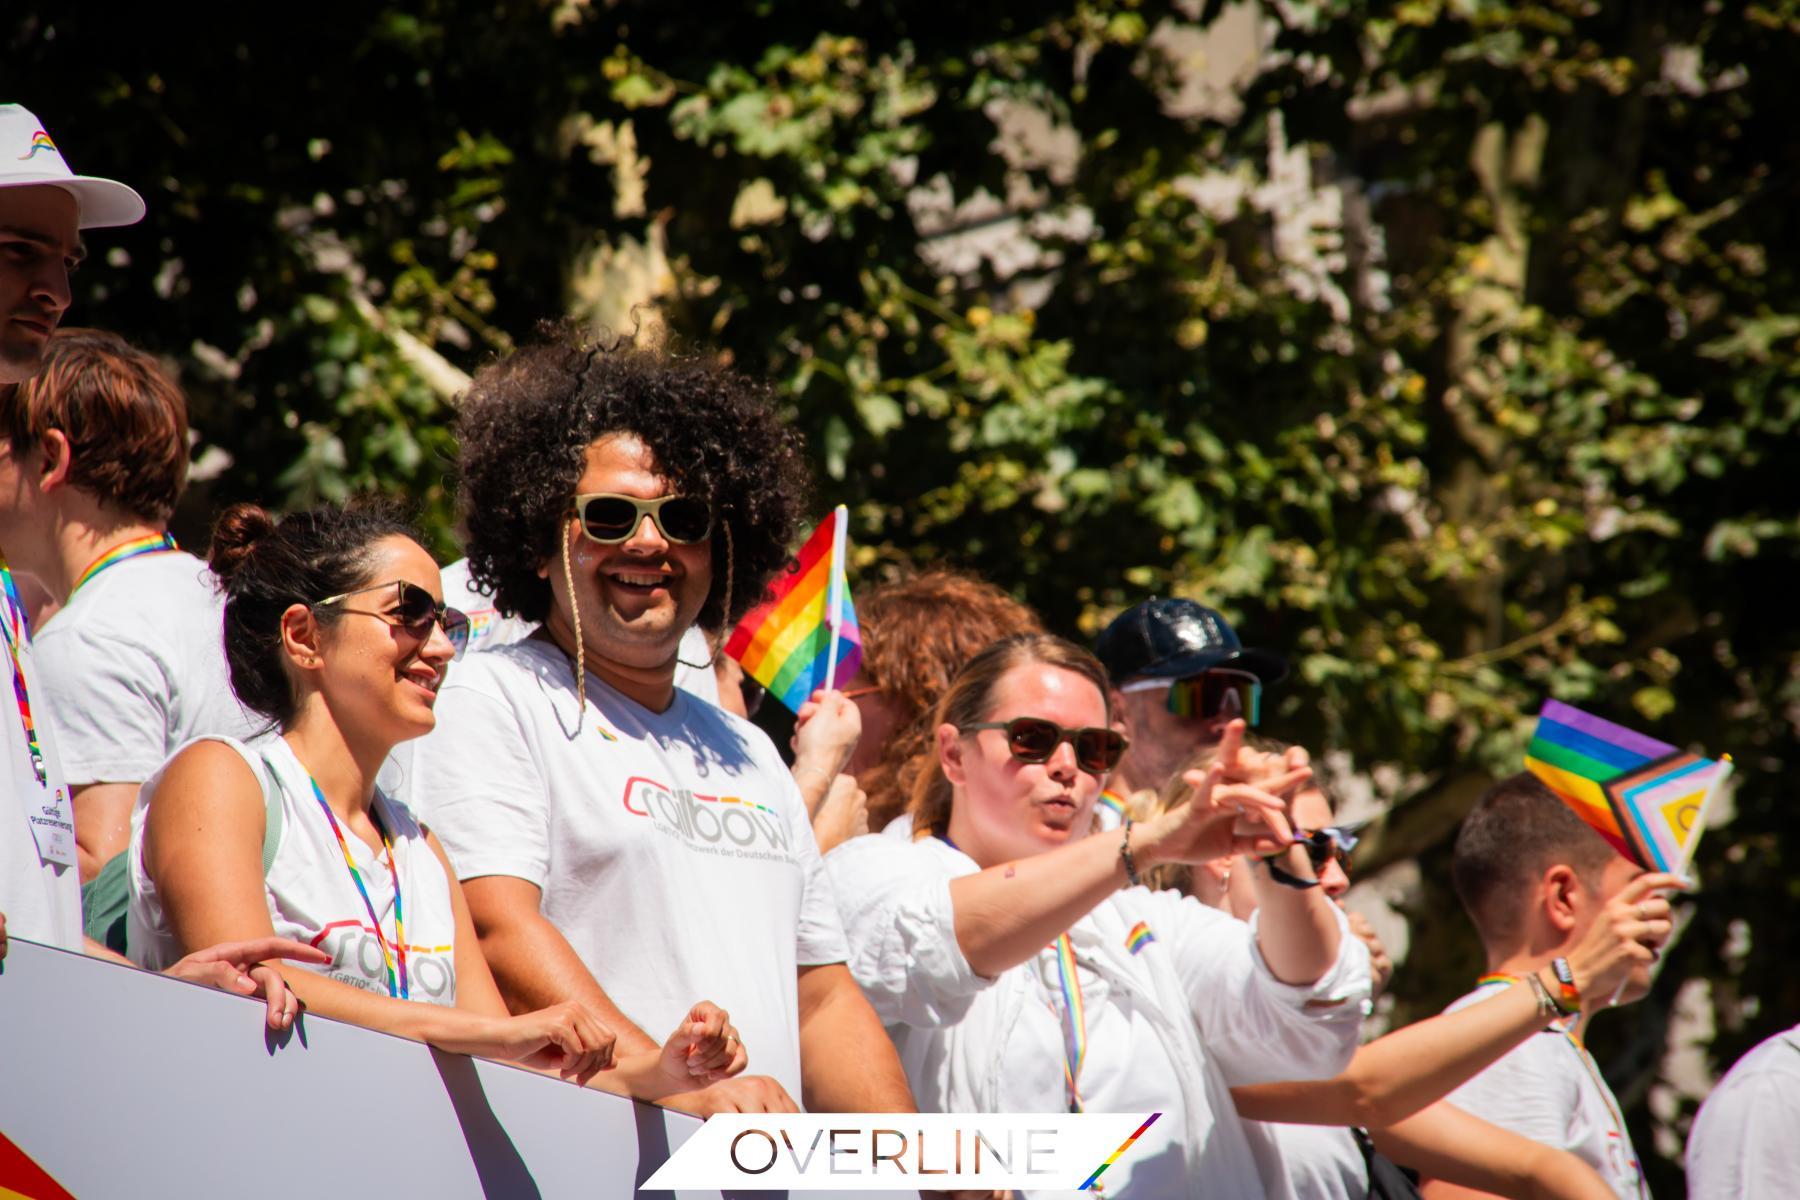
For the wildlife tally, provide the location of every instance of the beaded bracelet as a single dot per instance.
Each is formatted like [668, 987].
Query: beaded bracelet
[1125, 855]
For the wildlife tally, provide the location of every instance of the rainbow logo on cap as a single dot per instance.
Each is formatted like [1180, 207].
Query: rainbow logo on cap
[39, 141]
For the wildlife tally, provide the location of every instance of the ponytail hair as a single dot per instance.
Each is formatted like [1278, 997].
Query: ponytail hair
[265, 566]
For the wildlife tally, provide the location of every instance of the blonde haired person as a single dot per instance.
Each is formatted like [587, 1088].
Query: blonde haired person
[1019, 968]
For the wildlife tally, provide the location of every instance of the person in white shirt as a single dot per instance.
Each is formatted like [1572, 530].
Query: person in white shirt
[336, 633]
[621, 842]
[43, 208]
[1394, 1086]
[1534, 879]
[1019, 968]
[131, 662]
[1743, 1144]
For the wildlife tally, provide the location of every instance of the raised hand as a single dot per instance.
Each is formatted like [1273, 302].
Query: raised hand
[1628, 933]
[238, 967]
[1221, 819]
[826, 730]
[705, 1048]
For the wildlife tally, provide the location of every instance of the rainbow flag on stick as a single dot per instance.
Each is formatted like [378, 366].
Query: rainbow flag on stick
[805, 636]
[1645, 797]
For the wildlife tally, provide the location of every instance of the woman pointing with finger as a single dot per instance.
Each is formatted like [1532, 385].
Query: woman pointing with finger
[1019, 967]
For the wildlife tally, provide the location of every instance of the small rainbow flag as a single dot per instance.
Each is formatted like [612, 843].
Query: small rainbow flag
[1645, 797]
[1139, 937]
[805, 636]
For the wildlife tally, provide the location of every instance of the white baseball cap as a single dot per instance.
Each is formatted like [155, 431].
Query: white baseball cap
[28, 157]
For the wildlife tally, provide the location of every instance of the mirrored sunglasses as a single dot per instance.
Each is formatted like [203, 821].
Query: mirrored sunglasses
[415, 610]
[1035, 739]
[1333, 841]
[1219, 692]
[609, 518]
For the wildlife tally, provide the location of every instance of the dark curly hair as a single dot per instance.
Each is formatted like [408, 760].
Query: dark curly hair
[528, 419]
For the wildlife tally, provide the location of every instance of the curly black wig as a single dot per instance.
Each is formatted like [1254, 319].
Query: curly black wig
[528, 419]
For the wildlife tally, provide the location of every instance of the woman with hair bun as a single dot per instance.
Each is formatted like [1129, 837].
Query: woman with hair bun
[336, 633]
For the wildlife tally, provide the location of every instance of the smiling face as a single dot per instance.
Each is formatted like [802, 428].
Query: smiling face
[379, 678]
[1005, 808]
[639, 596]
[39, 246]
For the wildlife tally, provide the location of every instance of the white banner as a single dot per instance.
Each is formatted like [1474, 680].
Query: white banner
[116, 1083]
[894, 1152]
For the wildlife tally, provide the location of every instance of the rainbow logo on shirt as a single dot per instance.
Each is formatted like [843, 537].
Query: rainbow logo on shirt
[606, 733]
[1139, 937]
[39, 141]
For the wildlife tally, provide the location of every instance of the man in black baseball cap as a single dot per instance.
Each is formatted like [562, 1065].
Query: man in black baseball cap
[1180, 673]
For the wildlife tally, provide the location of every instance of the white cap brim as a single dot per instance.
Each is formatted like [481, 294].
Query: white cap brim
[100, 203]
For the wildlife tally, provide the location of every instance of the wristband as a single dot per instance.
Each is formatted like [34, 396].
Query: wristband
[1547, 1007]
[821, 772]
[1285, 877]
[1568, 997]
[1125, 855]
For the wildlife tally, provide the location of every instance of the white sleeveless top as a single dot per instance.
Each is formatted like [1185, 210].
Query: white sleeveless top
[310, 893]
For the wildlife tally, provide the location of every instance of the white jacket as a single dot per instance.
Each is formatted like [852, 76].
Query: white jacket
[1175, 1025]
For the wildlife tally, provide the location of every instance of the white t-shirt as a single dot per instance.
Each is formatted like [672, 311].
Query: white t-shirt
[673, 849]
[1173, 1022]
[1745, 1143]
[41, 899]
[311, 894]
[490, 628]
[1550, 1090]
[134, 668]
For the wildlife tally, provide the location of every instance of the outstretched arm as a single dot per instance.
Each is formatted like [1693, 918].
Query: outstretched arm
[1395, 1076]
[1468, 1158]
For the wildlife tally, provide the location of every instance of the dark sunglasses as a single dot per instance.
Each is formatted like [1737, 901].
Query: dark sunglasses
[1035, 739]
[609, 518]
[1219, 692]
[1333, 841]
[415, 610]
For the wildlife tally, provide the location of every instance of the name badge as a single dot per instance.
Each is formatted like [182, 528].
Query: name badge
[53, 825]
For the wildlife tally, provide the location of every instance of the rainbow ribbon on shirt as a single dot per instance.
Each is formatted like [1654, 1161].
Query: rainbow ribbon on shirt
[1139, 937]
[16, 633]
[1074, 1016]
[398, 990]
[156, 543]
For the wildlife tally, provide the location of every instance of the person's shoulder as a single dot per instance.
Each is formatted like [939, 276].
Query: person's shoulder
[1773, 1058]
[511, 666]
[208, 763]
[148, 601]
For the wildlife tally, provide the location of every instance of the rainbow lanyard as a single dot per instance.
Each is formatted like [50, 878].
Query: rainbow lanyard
[1567, 1030]
[1113, 800]
[14, 630]
[400, 989]
[156, 543]
[1074, 1016]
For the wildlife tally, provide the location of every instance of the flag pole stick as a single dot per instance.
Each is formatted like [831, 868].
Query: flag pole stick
[834, 603]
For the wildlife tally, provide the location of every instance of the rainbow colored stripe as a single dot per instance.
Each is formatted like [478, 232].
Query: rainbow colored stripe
[1074, 1014]
[1139, 937]
[1645, 797]
[397, 983]
[16, 632]
[785, 642]
[1093, 1181]
[156, 543]
[39, 141]
[1111, 799]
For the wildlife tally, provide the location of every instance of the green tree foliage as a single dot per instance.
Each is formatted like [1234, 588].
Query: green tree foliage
[1451, 346]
